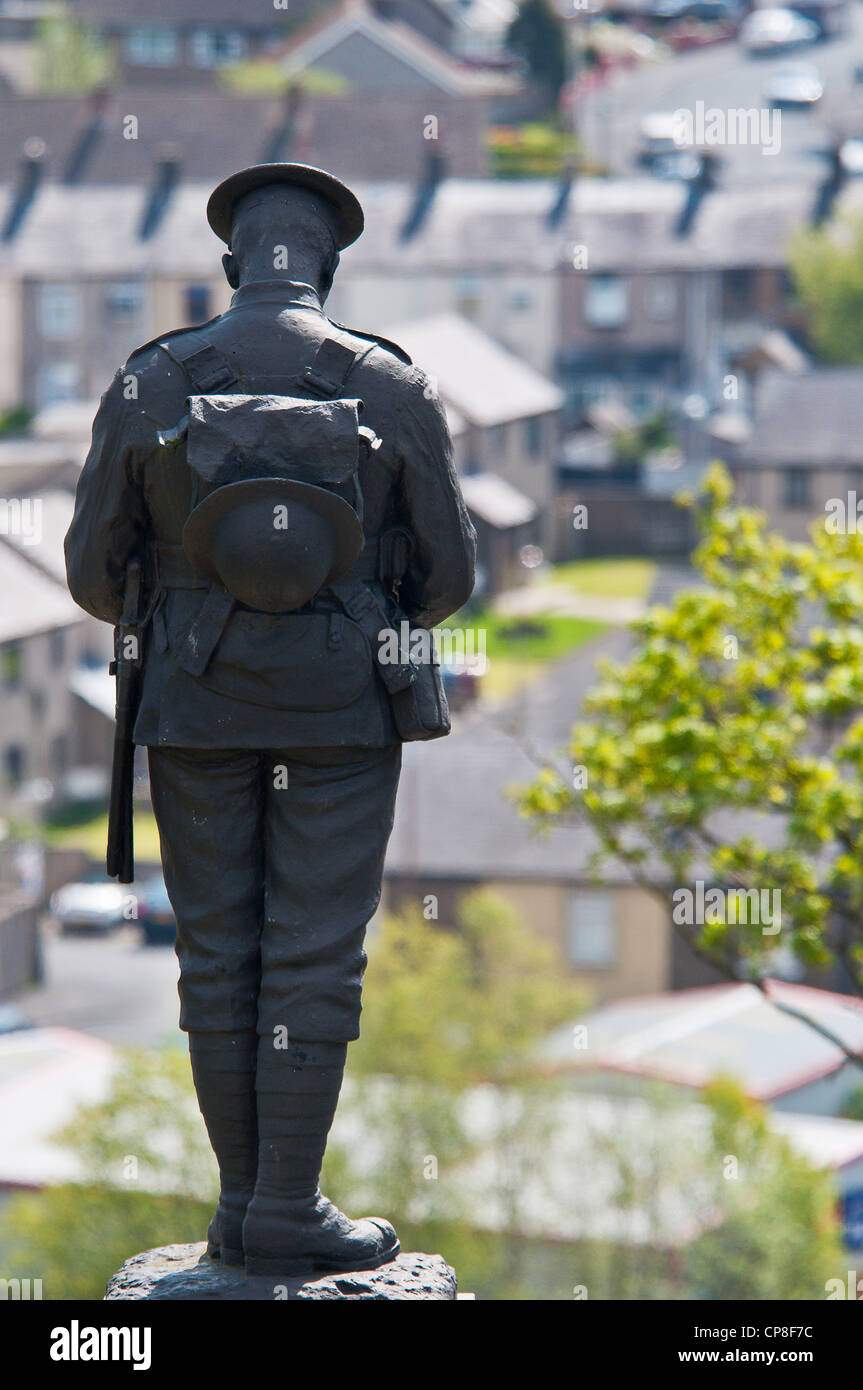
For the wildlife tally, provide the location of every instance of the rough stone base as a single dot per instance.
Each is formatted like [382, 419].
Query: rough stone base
[186, 1272]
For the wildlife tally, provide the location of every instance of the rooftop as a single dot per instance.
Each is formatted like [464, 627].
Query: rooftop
[813, 418]
[691, 1036]
[496, 501]
[417, 54]
[485, 383]
[45, 547]
[32, 602]
[472, 225]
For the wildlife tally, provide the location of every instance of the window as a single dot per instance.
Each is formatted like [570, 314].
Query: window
[58, 381]
[592, 930]
[11, 665]
[496, 452]
[123, 300]
[533, 435]
[469, 295]
[59, 312]
[152, 46]
[606, 301]
[213, 48]
[197, 303]
[660, 297]
[798, 489]
[520, 300]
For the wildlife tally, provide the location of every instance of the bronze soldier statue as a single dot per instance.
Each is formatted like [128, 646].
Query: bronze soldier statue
[281, 489]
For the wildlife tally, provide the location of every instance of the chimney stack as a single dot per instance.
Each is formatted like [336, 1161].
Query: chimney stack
[31, 172]
[166, 178]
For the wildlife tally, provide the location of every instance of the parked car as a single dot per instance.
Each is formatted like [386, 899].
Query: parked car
[799, 86]
[656, 137]
[683, 166]
[93, 904]
[155, 914]
[775, 31]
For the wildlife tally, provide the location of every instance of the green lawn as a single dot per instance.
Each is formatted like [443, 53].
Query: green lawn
[622, 578]
[520, 648]
[91, 835]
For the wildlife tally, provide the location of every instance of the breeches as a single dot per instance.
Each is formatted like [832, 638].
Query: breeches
[273, 861]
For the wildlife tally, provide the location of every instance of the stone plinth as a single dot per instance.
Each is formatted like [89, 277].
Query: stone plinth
[186, 1272]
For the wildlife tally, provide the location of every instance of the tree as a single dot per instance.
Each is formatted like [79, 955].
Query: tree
[150, 1180]
[451, 1012]
[537, 33]
[728, 748]
[827, 269]
[777, 1235]
[71, 57]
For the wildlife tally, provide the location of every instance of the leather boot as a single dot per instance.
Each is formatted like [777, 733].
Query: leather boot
[290, 1227]
[223, 1067]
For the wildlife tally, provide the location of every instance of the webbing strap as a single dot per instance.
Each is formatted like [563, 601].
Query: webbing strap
[325, 378]
[207, 368]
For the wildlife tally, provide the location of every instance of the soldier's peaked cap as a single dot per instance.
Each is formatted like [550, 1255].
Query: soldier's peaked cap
[343, 203]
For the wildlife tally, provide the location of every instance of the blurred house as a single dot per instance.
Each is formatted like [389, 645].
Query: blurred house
[182, 42]
[48, 647]
[505, 420]
[688, 1038]
[803, 448]
[391, 46]
[640, 323]
[457, 829]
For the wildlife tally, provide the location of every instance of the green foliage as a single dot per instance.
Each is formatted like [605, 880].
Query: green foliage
[71, 57]
[777, 1237]
[263, 77]
[150, 1180]
[74, 1237]
[827, 269]
[732, 737]
[852, 1107]
[124, 1139]
[448, 1010]
[632, 445]
[459, 1006]
[535, 150]
[14, 421]
[537, 33]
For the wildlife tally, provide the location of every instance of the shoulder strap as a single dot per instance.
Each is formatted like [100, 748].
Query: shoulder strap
[206, 366]
[333, 363]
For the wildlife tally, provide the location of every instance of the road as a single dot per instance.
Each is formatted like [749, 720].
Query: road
[110, 986]
[725, 77]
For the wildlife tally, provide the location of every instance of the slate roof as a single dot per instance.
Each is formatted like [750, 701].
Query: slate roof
[689, 1036]
[487, 384]
[496, 501]
[811, 419]
[56, 508]
[313, 44]
[473, 225]
[356, 137]
[454, 820]
[32, 602]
